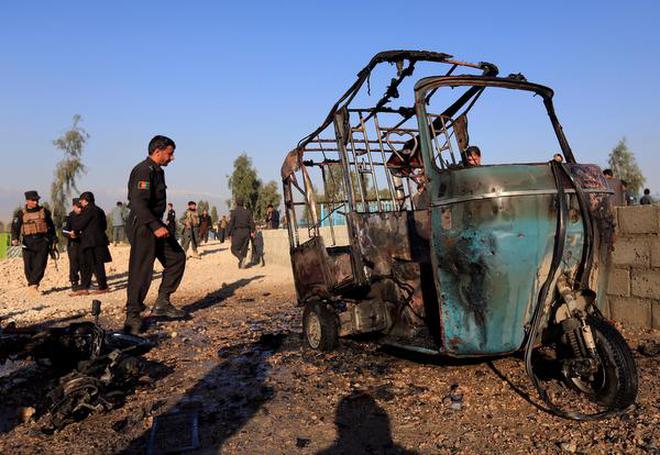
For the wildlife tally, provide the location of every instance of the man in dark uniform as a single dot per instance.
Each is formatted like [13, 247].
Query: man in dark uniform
[73, 245]
[240, 229]
[35, 225]
[150, 238]
[171, 219]
[91, 224]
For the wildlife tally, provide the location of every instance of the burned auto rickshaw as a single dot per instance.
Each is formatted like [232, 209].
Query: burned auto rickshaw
[394, 232]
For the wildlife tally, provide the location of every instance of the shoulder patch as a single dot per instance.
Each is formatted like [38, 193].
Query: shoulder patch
[143, 184]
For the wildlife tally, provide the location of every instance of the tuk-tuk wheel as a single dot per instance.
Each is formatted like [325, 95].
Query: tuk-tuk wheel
[320, 327]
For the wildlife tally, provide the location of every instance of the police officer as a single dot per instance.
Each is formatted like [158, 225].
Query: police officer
[34, 225]
[92, 224]
[150, 238]
[241, 228]
[73, 245]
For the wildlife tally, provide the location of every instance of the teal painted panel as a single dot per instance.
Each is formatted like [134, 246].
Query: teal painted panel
[490, 259]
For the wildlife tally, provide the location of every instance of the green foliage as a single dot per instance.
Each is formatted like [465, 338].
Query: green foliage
[214, 215]
[624, 166]
[202, 205]
[68, 170]
[244, 182]
[2, 227]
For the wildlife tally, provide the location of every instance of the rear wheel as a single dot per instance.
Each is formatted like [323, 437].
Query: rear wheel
[320, 327]
[614, 384]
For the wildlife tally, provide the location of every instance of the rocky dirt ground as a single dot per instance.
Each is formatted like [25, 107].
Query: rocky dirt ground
[239, 365]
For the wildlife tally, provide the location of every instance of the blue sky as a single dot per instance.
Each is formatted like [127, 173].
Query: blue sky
[225, 78]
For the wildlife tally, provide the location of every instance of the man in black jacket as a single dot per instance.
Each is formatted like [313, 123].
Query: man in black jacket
[73, 245]
[150, 238]
[241, 228]
[92, 223]
[35, 226]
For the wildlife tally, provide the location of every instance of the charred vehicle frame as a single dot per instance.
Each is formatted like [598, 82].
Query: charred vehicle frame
[499, 259]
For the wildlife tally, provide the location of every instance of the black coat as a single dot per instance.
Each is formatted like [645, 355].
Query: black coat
[241, 225]
[92, 224]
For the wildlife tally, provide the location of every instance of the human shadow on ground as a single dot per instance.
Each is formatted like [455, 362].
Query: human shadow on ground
[122, 282]
[225, 399]
[212, 251]
[362, 427]
[219, 295]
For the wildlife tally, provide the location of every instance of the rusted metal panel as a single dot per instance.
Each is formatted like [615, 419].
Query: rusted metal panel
[492, 251]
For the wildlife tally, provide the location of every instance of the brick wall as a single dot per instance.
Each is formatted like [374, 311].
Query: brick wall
[633, 292]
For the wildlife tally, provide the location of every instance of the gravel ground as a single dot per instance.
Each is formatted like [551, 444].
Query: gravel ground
[240, 366]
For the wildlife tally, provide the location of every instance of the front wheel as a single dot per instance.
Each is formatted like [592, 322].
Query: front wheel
[320, 327]
[615, 382]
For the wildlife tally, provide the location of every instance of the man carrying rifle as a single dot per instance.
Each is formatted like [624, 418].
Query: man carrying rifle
[34, 225]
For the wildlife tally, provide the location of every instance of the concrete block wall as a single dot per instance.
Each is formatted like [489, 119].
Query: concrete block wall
[633, 292]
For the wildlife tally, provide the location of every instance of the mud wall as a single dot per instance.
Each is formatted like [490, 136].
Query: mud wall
[276, 242]
[633, 294]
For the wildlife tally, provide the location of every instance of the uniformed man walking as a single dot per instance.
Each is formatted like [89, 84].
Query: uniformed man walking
[150, 238]
[241, 228]
[34, 225]
[73, 245]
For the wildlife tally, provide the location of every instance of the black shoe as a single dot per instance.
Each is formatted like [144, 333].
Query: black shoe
[133, 325]
[163, 307]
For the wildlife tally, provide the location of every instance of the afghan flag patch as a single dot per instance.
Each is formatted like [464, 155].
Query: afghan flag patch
[143, 184]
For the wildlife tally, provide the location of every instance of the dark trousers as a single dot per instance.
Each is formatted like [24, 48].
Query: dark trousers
[190, 236]
[240, 241]
[145, 248]
[221, 233]
[73, 251]
[92, 264]
[35, 258]
[257, 245]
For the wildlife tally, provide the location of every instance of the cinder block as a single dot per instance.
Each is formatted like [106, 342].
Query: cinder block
[632, 251]
[619, 282]
[655, 309]
[646, 283]
[631, 311]
[638, 219]
[655, 251]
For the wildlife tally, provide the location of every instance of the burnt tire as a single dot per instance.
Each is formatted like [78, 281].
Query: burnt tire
[320, 327]
[616, 385]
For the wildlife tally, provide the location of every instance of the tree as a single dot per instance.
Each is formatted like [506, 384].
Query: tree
[244, 182]
[68, 169]
[624, 166]
[268, 194]
[2, 226]
[202, 205]
[214, 214]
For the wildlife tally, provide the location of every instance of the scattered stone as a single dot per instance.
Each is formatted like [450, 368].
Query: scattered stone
[569, 447]
[649, 348]
[26, 414]
[302, 442]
